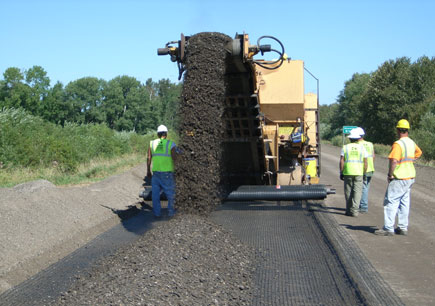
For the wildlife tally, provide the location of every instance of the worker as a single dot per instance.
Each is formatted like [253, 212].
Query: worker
[160, 162]
[364, 204]
[401, 177]
[353, 165]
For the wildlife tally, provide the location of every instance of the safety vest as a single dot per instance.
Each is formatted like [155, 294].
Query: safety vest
[161, 155]
[370, 151]
[353, 159]
[405, 167]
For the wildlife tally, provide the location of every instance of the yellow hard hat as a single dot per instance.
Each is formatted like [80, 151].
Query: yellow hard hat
[403, 124]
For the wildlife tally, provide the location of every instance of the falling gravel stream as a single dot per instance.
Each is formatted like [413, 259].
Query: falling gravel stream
[201, 129]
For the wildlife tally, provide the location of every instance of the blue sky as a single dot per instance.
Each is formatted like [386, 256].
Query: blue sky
[105, 39]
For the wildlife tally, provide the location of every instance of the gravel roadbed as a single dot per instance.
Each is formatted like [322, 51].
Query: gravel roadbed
[187, 260]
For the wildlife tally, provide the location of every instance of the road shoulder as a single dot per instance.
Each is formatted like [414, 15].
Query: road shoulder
[42, 223]
[406, 263]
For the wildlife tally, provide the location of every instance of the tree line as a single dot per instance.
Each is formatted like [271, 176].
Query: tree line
[375, 101]
[123, 103]
[398, 89]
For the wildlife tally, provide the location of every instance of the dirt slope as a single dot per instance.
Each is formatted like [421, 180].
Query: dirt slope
[41, 223]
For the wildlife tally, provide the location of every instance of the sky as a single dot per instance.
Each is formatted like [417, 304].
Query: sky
[109, 38]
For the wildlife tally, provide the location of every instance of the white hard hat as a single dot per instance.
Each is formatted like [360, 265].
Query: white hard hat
[354, 134]
[162, 129]
[360, 131]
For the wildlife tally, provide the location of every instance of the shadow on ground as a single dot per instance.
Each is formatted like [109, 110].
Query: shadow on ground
[136, 218]
[364, 228]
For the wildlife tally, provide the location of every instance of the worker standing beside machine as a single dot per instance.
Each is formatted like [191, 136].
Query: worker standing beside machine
[160, 161]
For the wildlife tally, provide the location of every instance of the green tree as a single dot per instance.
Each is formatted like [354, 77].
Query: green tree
[424, 134]
[393, 93]
[14, 92]
[56, 108]
[127, 105]
[39, 84]
[422, 89]
[85, 96]
[350, 105]
[327, 115]
[146, 118]
[167, 102]
[123, 103]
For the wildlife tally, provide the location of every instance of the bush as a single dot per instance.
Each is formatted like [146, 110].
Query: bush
[426, 141]
[338, 140]
[382, 150]
[29, 141]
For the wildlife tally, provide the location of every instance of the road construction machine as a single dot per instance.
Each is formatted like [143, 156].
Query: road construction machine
[271, 124]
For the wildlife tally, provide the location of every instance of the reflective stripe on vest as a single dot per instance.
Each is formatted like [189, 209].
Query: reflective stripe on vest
[405, 166]
[370, 150]
[353, 159]
[161, 155]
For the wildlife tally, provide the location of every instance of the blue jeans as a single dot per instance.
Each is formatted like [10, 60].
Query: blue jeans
[165, 181]
[364, 204]
[397, 202]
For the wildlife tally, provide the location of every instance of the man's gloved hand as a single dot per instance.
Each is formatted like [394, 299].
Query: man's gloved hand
[341, 176]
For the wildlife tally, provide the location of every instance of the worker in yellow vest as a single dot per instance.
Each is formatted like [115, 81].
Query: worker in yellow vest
[364, 204]
[160, 168]
[401, 177]
[353, 165]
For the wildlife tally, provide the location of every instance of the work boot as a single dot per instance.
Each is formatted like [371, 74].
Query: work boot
[400, 231]
[382, 232]
[349, 214]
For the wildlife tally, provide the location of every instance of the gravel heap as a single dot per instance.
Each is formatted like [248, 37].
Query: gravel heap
[185, 261]
[201, 128]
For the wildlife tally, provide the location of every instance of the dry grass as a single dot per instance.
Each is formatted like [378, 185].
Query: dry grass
[93, 171]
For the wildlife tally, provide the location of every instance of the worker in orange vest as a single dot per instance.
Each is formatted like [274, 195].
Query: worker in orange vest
[401, 177]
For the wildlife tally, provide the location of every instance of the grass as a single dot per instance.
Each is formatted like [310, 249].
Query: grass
[94, 171]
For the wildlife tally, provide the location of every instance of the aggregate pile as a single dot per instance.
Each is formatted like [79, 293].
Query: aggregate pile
[201, 129]
[187, 261]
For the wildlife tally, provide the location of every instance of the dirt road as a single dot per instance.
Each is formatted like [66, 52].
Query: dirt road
[407, 263]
